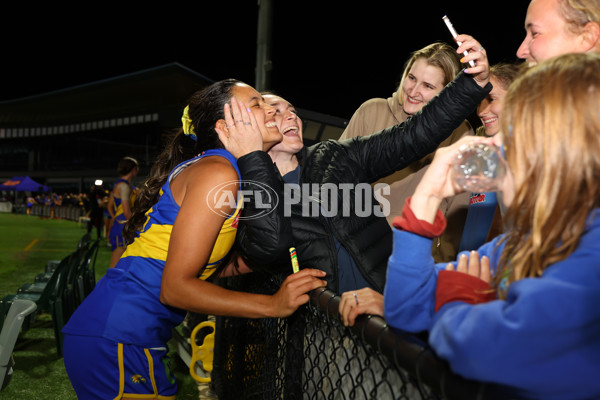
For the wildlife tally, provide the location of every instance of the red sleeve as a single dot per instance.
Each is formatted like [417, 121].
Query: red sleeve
[409, 222]
[459, 286]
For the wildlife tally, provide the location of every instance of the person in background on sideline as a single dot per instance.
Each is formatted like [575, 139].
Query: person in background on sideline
[106, 203]
[520, 310]
[122, 201]
[30, 203]
[95, 213]
[180, 235]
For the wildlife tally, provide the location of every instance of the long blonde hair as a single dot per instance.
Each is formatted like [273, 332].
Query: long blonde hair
[551, 125]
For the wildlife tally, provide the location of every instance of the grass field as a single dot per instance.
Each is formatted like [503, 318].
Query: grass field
[26, 244]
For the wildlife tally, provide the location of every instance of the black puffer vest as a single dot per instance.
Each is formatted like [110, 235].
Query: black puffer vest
[353, 163]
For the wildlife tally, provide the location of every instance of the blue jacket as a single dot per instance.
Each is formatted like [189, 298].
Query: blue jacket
[543, 340]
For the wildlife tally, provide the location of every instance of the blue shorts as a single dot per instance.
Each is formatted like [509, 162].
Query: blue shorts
[102, 369]
[115, 236]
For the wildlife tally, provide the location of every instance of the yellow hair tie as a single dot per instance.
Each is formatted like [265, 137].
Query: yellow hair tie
[188, 128]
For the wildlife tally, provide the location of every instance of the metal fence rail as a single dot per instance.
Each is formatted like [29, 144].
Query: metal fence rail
[412, 368]
[311, 355]
[70, 212]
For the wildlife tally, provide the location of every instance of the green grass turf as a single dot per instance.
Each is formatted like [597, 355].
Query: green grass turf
[26, 244]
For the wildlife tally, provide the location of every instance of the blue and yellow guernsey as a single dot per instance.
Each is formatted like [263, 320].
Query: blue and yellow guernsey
[125, 305]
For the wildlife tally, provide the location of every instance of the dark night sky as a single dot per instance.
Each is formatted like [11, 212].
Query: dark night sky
[326, 60]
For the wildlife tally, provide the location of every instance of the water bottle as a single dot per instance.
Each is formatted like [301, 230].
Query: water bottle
[479, 167]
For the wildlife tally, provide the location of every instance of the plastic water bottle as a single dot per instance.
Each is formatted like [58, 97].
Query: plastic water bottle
[479, 167]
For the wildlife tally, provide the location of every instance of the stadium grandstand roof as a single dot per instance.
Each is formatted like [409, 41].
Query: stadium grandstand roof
[70, 137]
[136, 95]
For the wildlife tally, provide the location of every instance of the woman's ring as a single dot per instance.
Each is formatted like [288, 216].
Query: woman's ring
[481, 49]
[238, 120]
[355, 298]
[247, 123]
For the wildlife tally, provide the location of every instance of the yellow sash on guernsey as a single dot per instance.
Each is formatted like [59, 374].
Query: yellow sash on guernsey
[154, 242]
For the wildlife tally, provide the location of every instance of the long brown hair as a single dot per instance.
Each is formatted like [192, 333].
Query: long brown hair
[551, 128]
[205, 109]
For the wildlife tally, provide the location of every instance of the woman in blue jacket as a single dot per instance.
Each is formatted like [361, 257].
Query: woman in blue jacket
[523, 310]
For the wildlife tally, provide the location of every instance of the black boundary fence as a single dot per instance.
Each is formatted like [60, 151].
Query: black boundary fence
[312, 355]
[69, 212]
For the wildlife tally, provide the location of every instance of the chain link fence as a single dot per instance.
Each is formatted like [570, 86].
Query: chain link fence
[312, 355]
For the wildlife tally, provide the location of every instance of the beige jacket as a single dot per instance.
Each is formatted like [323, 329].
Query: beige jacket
[377, 114]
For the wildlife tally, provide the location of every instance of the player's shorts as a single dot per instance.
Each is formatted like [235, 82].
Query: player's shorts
[102, 369]
[115, 236]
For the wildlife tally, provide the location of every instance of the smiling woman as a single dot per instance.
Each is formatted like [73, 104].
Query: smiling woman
[528, 296]
[419, 85]
[175, 243]
[332, 225]
[490, 109]
[426, 73]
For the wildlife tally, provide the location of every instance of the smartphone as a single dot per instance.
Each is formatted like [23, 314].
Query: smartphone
[454, 35]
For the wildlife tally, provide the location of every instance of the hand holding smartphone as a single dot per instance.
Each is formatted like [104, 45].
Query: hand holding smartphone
[454, 35]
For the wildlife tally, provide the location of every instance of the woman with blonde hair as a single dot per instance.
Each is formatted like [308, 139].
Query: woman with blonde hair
[555, 27]
[521, 310]
[426, 73]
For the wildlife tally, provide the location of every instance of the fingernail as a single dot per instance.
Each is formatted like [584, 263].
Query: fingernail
[462, 60]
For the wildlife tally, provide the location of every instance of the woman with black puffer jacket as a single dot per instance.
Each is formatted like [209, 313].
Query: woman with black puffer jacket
[324, 207]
